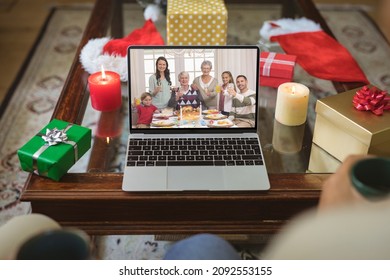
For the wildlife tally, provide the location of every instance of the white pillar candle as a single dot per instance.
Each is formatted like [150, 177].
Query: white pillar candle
[291, 104]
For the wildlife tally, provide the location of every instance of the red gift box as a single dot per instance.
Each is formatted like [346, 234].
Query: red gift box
[276, 68]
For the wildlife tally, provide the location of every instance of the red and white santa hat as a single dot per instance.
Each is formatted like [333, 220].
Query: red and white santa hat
[317, 52]
[287, 26]
[112, 53]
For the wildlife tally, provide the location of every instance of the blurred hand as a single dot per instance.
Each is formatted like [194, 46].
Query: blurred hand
[194, 87]
[338, 189]
[179, 94]
[232, 92]
[157, 89]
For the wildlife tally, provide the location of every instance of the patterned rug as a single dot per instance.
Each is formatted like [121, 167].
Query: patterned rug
[33, 100]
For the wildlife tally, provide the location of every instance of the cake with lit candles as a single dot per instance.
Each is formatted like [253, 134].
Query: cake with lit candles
[189, 113]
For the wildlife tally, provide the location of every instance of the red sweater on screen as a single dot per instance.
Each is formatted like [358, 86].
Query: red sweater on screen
[145, 113]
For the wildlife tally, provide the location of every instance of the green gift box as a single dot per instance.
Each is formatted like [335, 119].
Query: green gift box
[55, 149]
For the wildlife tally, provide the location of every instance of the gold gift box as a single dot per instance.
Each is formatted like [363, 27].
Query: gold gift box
[341, 130]
[321, 161]
[196, 22]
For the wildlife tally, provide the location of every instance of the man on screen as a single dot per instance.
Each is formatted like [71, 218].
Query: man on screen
[243, 111]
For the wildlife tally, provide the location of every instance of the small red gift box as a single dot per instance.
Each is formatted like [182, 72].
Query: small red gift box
[276, 68]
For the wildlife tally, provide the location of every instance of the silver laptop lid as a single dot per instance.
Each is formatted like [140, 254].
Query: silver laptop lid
[170, 79]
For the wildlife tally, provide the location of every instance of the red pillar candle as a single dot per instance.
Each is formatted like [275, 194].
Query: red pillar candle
[105, 91]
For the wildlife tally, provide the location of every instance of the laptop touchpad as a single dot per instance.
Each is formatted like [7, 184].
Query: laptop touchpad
[185, 178]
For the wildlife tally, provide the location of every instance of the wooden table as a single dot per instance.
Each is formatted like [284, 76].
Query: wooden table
[95, 202]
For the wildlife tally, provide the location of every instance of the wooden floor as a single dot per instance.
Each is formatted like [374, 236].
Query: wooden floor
[21, 21]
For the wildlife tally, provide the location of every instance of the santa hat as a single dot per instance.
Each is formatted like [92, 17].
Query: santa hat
[112, 53]
[317, 52]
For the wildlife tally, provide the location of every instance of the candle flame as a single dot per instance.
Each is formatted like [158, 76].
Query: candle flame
[293, 89]
[103, 73]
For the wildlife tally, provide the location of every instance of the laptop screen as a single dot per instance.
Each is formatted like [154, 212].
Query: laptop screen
[193, 88]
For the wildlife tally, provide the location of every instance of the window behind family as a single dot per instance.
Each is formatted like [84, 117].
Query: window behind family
[194, 87]
[191, 63]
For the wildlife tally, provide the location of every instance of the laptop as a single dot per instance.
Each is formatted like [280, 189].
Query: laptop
[193, 146]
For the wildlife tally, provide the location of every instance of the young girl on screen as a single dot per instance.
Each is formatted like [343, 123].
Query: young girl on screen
[224, 98]
[145, 111]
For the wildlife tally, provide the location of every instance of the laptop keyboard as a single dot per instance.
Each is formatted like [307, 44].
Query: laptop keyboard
[194, 152]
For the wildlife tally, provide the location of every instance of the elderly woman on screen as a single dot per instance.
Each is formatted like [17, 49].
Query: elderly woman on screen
[206, 84]
[184, 94]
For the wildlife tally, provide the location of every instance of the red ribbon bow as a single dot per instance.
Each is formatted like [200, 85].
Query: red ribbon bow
[371, 99]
